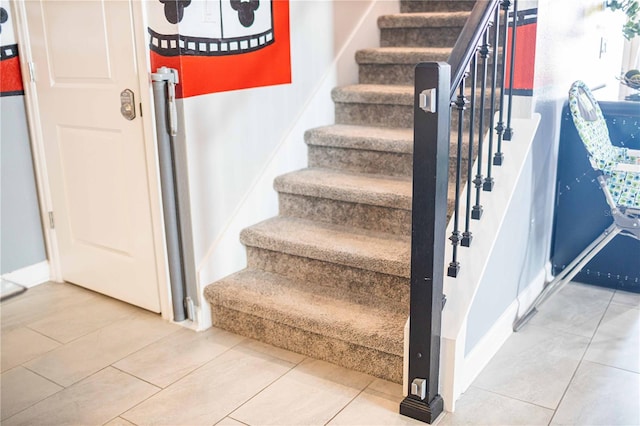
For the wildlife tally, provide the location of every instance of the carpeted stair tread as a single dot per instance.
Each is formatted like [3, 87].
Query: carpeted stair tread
[373, 251]
[423, 20]
[374, 94]
[412, 6]
[375, 190]
[402, 55]
[313, 308]
[399, 140]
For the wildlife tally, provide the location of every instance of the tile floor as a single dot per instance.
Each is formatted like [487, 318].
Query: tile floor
[70, 356]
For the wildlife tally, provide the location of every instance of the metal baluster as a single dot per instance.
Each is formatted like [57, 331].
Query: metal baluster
[498, 158]
[488, 182]
[508, 133]
[461, 105]
[467, 235]
[484, 53]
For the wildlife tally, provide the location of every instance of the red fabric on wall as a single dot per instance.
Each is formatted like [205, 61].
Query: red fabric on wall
[270, 65]
[10, 77]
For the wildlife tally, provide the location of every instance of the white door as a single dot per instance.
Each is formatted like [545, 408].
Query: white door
[84, 55]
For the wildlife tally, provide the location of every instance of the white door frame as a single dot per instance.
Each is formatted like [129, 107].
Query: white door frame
[150, 145]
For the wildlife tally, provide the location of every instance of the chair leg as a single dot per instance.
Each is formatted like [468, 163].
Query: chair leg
[568, 273]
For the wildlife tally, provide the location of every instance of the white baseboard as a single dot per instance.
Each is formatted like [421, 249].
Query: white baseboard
[30, 276]
[488, 346]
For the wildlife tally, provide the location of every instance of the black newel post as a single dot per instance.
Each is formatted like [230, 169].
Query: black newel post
[430, 179]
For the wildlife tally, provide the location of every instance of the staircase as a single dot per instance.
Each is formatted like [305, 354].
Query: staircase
[329, 276]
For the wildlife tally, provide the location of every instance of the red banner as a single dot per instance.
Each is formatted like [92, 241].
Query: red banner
[10, 76]
[243, 44]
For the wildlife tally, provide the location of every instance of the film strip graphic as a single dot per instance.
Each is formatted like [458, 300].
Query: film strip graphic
[8, 51]
[181, 45]
[525, 17]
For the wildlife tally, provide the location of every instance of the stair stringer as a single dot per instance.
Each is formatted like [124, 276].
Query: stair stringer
[459, 366]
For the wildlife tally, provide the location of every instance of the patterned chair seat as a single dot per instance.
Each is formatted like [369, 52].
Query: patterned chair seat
[620, 166]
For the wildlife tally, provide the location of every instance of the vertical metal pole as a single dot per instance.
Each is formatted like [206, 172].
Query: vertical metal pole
[508, 132]
[498, 158]
[488, 182]
[166, 126]
[429, 221]
[456, 236]
[467, 236]
[484, 53]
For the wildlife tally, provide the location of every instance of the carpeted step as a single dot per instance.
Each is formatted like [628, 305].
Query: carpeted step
[374, 202]
[374, 105]
[343, 245]
[381, 105]
[310, 319]
[415, 6]
[395, 65]
[433, 29]
[364, 149]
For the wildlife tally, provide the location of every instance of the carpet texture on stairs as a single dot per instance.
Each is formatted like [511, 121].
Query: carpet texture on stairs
[329, 276]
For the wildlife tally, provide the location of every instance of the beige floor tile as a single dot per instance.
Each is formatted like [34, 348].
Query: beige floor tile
[93, 352]
[576, 309]
[20, 389]
[310, 394]
[228, 421]
[41, 301]
[388, 388]
[119, 421]
[178, 354]
[372, 408]
[480, 407]
[600, 395]
[21, 345]
[273, 351]
[79, 320]
[534, 365]
[210, 393]
[617, 341]
[627, 298]
[92, 401]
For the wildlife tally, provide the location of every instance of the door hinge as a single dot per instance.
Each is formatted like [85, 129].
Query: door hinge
[140, 109]
[32, 72]
[52, 224]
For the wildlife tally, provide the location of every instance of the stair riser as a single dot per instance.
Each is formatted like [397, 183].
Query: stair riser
[389, 115]
[417, 6]
[377, 115]
[399, 74]
[419, 37]
[364, 284]
[361, 161]
[352, 356]
[374, 218]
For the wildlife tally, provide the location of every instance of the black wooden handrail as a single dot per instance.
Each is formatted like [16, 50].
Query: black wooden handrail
[469, 39]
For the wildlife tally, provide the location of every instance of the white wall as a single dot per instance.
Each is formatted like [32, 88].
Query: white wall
[237, 142]
[21, 238]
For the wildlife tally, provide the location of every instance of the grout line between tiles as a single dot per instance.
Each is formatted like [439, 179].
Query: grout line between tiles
[347, 404]
[512, 397]
[235, 420]
[266, 386]
[584, 353]
[45, 377]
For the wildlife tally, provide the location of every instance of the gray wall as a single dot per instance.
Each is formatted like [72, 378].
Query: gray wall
[564, 53]
[21, 240]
